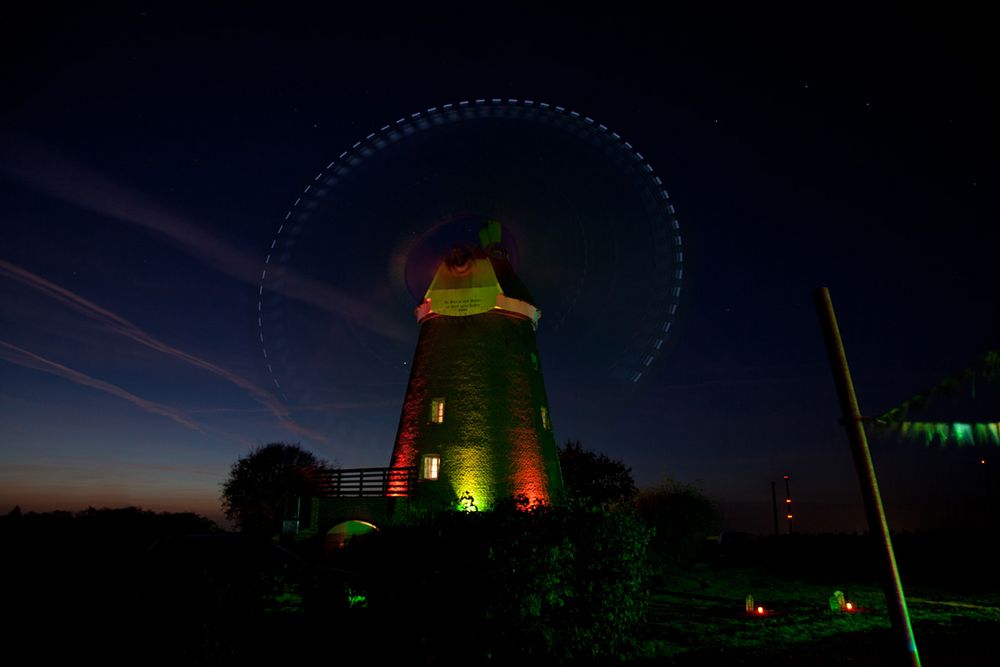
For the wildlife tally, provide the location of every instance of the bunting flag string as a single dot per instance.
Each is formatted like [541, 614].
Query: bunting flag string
[946, 433]
[953, 433]
[987, 368]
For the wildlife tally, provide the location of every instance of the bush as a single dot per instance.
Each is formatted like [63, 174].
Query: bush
[682, 517]
[553, 584]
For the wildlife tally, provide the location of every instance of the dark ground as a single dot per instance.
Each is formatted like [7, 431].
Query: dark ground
[89, 587]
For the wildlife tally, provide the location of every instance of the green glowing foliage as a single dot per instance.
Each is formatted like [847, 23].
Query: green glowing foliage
[572, 582]
[355, 600]
[467, 503]
[283, 596]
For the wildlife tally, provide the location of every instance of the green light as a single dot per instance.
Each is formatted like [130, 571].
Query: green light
[355, 598]
[468, 474]
[489, 234]
[467, 503]
[962, 434]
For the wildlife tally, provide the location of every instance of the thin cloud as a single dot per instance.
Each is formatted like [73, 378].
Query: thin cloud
[82, 186]
[160, 467]
[242, 411]
[125, 328]
[337, 406]
[22, 357]
[87, 472]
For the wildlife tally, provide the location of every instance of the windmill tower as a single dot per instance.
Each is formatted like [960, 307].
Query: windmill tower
[475, 421]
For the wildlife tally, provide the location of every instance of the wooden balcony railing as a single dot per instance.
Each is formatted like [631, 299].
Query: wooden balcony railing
[367, 483]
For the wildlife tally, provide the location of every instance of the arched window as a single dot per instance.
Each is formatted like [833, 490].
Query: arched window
[437, 410]
[430, 467]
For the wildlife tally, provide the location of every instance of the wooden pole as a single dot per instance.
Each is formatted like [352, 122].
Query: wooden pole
[990, 509]
[877, 523]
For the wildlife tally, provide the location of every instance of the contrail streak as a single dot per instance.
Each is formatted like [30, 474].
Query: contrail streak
[81, 186]
[125, 328]
[22, 357]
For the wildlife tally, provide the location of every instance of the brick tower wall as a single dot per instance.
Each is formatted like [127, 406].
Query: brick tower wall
[493, 441]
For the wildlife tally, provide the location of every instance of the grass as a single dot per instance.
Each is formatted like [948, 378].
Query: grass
[699, 617]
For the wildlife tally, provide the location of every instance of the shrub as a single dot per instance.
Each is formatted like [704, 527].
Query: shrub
[682, 517]
[541, 583]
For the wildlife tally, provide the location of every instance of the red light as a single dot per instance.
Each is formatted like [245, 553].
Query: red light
[760, 610]
[849, 606]
[788, 500]
[786, 477]
[788, 516]
[982, 461]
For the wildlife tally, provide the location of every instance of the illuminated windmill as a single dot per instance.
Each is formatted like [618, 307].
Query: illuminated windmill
[475, 421]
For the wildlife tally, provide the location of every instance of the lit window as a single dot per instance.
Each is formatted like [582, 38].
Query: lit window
[437, 410]
[546, 424]
[432, 464]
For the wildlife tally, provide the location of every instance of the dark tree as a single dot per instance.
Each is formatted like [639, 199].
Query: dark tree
[682, 518]
[262, 486]
[594, 478]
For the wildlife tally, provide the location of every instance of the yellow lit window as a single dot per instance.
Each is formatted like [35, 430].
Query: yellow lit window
[546, 424]
[432, 464]
[437, 410]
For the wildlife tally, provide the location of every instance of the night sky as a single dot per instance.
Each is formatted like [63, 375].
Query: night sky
[149, 155]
